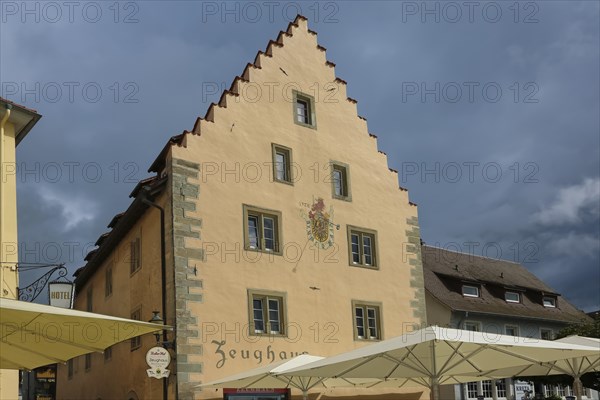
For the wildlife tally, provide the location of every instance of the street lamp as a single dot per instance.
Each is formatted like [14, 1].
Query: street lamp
[156, 319]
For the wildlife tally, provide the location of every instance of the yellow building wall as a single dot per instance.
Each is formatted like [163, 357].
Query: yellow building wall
[8, 241]
[125, 373]
[238, 141]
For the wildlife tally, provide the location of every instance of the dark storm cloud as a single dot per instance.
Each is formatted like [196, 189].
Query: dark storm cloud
[518, 173]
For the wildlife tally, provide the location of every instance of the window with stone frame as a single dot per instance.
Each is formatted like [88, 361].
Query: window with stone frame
[362, 247]
[267, 311]
[262, 229]
[367, 320]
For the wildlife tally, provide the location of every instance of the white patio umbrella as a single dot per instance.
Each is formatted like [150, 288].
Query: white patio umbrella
[434, 355]
[573, 366]
[270, 376]
[33, 335]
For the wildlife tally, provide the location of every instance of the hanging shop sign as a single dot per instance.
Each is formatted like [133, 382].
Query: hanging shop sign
[61, 294]
[158, 359]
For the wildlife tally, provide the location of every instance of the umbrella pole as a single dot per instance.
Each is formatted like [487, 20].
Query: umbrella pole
[305, 394]
[578, 387]
[434, 393]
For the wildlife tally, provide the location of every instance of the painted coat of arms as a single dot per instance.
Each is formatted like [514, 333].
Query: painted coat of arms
[319, 225]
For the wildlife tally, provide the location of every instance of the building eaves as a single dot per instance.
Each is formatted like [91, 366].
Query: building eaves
[159, 162]
[101, 238]
[122, 226]
[141, 184]
[32, 115]
[115, 219]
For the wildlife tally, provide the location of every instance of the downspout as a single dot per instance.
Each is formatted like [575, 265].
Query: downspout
[2, 190]
[163, 272]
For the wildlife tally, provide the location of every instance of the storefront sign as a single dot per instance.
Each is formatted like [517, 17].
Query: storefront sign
[523, 390]
[266, 356]
[61, 294]
[158, 359]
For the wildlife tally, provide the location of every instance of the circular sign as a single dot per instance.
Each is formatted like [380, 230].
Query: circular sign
[158, 358]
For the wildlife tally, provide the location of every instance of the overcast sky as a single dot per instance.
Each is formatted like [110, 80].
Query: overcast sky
[488, 110]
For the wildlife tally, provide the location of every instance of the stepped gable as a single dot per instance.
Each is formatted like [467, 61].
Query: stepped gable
[270, 52]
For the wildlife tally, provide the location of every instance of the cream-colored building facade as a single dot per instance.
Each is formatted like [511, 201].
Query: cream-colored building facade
[15, 123]
[286, 232]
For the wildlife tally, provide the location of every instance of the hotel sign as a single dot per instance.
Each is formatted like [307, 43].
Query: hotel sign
[61, 294]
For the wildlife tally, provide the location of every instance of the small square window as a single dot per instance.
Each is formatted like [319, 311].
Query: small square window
[512, 297]
[282, 164]
[367, 321]
[470, 291]
[549, 301]
[340, 181]
[362, 247]
[262, 230]
[472, 326]
[136, 342]
[267, 313]
[304, 110]
[511, 330]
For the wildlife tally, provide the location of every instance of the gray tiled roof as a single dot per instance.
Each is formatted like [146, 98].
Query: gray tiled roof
[445, 272]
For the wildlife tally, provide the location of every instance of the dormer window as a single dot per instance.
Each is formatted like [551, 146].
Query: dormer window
[549, 301]
[512, 297]
[470, 291]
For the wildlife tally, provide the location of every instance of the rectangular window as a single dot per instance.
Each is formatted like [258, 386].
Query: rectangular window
[472, 391]
[90, 298]
[262, 229]
[88, 362]
[340, 181]
[501, 388]
[362, 247]
[512, 297]
[134, 254]
[486, 388]
[267, 313]
[511, 330]
[136, 342]
[546, 334]
[304, 110]
[282, 163]
[70, 368]
[367, 321]
[549, 301]
[472, 326]
[470, 291]
[108, 354]
[108, 287]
